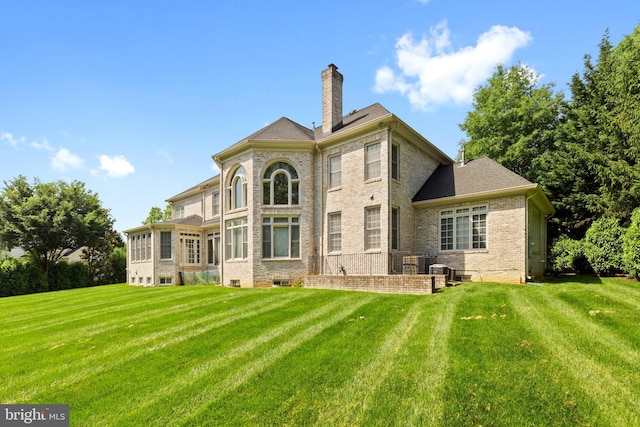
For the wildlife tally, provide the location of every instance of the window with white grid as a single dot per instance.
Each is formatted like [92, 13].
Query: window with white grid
[372, 228]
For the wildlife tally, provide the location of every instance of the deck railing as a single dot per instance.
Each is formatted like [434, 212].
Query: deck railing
[370, 263]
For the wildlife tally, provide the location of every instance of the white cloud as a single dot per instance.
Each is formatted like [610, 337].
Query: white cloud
[165, 155]
[64, 159]
[13, 141]
[116, 166]
[432, 73]
[42, 145]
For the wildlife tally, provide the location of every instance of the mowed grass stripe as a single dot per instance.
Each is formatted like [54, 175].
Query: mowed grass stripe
[204, 371]
[351, 402]
[581, 327]
[137, 347]
[428, 402]
[141, 314]
[189, 415]
[617, 403]
[30, 309]
[75, 313]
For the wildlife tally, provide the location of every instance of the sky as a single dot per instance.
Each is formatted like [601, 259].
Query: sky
[134, 97]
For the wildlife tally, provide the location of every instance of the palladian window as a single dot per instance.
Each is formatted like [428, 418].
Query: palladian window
[280, 185]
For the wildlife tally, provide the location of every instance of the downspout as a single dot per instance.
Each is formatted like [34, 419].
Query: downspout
[223, 236]
[526, 237]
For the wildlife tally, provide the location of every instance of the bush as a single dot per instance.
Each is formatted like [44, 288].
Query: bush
[567, 255]
[603, 246]
[631, 245]
[19, 277]
[66, 275]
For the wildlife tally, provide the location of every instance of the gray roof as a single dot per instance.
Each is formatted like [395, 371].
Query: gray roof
[190, 220]
[355, 118]
[283, 129]
[480, 175]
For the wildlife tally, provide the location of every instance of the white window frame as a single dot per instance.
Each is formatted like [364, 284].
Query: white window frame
[395, 162]
[335, 171]
[191, 245]
[270, 225]
[372, 228]
[237, 190]
[372, 164]
[165, 246]
[236, 248]
[334, 230]
[178, 211]
[293, 184]
[213, 248]
[463, 228]
[395, 228]
[215, 208]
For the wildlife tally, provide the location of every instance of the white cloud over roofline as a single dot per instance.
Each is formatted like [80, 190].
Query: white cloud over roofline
[429, 72]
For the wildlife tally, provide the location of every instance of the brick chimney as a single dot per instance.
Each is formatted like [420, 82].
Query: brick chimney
[331, 99]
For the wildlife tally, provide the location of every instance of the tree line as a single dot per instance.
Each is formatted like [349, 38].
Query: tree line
[47, 220]
[583, 150]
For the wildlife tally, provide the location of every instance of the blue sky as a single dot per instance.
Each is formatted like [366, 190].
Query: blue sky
[134, 97]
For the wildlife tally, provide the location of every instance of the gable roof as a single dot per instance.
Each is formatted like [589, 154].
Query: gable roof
[284, 133]
[478, 178]
[283, 129]
[481, 175]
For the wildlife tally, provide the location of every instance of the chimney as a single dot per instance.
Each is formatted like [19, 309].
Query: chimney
[331, 99]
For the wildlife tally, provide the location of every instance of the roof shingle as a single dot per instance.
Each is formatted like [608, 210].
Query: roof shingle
[475, 176]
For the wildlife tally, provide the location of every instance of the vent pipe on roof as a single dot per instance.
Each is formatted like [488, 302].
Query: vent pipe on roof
[331, 98]
[462, 151]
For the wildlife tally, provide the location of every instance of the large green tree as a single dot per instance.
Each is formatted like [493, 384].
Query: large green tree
[45, 219]
[593, 169]
[513, 120]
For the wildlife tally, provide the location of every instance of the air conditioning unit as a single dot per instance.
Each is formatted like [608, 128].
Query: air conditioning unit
[413, 264]
[439, 269]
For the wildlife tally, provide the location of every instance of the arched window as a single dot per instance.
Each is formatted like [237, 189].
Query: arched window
[237, 190]
[280, 185]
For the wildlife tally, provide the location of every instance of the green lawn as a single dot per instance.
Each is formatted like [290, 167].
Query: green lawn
[478, 354]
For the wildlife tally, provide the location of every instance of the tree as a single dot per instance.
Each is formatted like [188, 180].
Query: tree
[45, 219]
[513, 120]
[97, 258]
[601, 134]
[158, 215]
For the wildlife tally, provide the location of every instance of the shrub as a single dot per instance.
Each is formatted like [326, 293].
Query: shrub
[631, 245]
[567, 254]
[603, 246]
[19, 277]
[66, 275]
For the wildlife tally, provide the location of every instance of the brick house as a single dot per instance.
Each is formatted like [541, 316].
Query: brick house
[358, 195]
